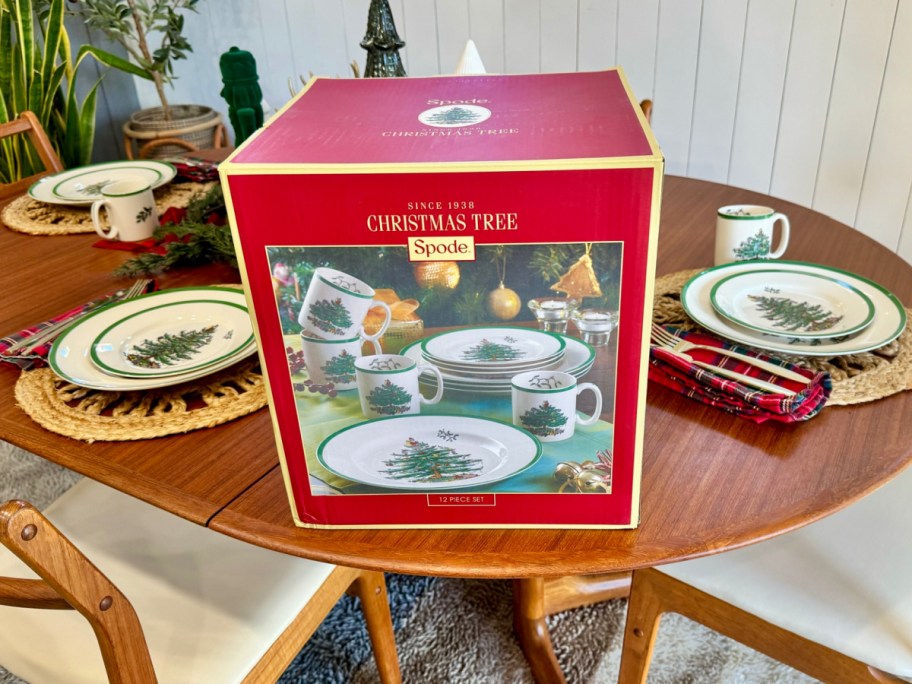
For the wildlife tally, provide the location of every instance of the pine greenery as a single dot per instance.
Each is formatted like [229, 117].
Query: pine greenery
[195, 240]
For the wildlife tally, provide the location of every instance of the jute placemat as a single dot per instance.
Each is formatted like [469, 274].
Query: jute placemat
[93, 415]
[857, 378]
[26, 215]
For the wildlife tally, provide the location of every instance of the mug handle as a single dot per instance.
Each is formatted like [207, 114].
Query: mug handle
[598, 403]
[96, 220]
[784, 238]
[374, 344]
[439, 394]
[389, 316]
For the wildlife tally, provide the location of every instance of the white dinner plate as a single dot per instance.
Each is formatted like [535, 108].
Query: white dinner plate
[177, 337]
[502, 347]
[889, 318]
[70, 355]
[421, 453]
[792, 303]
[82, 186]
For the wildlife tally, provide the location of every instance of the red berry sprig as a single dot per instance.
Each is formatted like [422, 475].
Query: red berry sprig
[296, 365]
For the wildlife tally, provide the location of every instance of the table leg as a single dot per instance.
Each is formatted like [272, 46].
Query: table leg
[529, 622]
[536, 598]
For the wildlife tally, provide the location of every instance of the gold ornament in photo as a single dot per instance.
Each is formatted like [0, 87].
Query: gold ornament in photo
[503, 303]
[430, 274]
[580, 280]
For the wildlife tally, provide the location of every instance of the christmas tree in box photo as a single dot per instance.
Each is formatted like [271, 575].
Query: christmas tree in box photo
[545, 420]
[493, 289]
[422, 462]
[389, 399]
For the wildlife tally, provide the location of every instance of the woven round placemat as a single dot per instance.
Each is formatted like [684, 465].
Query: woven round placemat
[93, 415]
[26, 215]
[857, 378]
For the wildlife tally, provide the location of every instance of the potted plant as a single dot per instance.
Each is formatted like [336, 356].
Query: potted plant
[38, 73]
[135, 24]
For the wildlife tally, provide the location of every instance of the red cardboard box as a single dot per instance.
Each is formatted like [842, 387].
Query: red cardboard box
[451, 280]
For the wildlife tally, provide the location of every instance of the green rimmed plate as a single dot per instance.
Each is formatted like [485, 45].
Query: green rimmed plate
[173, 338]
[429, 453]
[797, 304]
[82, 186]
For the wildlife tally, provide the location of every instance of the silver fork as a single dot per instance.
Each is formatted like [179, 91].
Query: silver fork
[29, 344]
[675, 344]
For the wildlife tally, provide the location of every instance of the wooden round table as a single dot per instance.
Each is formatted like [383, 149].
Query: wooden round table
[710, 482]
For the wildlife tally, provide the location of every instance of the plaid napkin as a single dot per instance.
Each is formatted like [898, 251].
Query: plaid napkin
[195, 171]
[36, 358]
[678, 374]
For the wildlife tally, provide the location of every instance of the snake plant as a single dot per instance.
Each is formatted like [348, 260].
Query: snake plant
[38, 73]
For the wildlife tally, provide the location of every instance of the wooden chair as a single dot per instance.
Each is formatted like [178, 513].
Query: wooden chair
[27, 123]
[833, 599]
[205, 608]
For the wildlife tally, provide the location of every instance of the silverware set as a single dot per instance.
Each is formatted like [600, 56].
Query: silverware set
[664, 339]
[29, 344]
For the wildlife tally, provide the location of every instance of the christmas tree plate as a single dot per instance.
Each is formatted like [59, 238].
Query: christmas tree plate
[792, 303]
[502, 347]
[423, 453]
[577, 360]
[889, 319]
[172, 338]
[70, 356]
[82, 186]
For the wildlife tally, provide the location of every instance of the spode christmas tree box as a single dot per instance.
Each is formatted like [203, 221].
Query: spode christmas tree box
[451, 280]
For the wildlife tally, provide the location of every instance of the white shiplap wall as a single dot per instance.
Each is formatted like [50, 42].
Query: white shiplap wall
[808, 100]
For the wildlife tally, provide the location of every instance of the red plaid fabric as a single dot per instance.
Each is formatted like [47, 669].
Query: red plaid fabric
[27, 358]
[678, 374]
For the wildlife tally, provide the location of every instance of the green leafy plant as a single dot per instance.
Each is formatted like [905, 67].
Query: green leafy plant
[133, 23]
[38, 73]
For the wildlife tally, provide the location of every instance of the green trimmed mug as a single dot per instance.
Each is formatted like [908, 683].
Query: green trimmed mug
[745, 232]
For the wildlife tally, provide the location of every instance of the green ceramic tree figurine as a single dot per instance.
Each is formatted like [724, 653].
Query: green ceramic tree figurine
[242, 92]
[382, 43]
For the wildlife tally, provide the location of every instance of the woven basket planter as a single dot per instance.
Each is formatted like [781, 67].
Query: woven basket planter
[198, 126]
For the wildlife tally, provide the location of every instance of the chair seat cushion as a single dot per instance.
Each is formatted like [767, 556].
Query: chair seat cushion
[844, 581]
[210, 606]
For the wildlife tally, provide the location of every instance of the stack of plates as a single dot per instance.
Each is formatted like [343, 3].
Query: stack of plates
[83, 185]
[156, 340]
[483, 360]
[794, 307]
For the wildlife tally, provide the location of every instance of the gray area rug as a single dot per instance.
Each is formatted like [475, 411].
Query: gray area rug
[451, 630]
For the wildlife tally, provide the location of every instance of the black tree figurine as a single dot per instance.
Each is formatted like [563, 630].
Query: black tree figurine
[382, 42]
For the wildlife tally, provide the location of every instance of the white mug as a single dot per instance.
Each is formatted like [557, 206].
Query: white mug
[336, 305]
[388, 385]
[131, 211]
[745, 231]
[544, 403]
[333, 361]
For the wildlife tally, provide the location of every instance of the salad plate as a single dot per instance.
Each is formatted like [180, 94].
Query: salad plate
[83, 185]
[502, 347]
[795, 304]
[889, 319]
[70, 356]
[172, 338]
[422, 453]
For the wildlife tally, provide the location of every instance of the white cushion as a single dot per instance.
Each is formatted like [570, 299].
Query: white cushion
[844, 581]
[210, 606]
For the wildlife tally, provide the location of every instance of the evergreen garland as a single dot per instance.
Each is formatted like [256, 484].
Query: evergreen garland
[195, 240]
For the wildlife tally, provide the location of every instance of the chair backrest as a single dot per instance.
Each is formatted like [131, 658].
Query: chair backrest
[70, 581]
[211, 608]
[27, 123]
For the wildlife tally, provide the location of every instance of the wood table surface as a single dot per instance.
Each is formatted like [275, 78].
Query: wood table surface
[711, 481]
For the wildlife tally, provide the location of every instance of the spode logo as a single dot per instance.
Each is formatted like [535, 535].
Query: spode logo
[454, 115]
